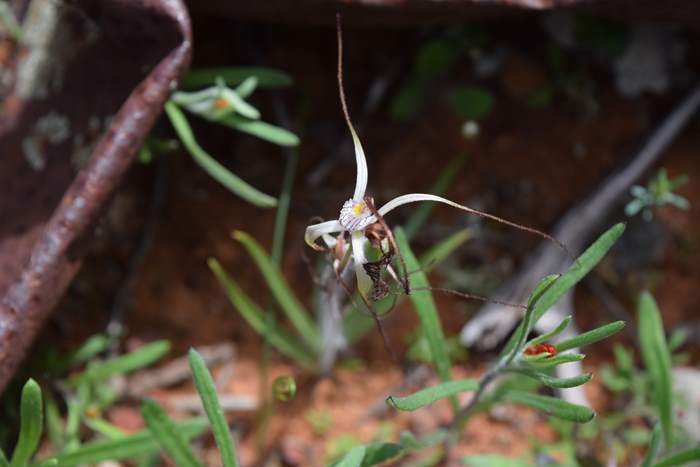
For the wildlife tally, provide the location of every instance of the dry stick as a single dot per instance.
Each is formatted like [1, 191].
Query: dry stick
[123, 296]
[578, 225]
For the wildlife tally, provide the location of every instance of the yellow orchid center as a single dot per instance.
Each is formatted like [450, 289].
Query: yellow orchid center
[358, 208]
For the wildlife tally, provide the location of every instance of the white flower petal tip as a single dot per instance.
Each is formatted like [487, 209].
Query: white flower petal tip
[361, 163]
[313, 232]
[355, 215]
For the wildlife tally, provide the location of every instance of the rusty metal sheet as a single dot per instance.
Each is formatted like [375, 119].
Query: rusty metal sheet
[80, 93]
[426, 12]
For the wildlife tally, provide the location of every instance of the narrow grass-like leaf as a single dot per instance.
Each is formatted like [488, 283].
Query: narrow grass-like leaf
[551, 406]
[429, 395]
[444, 248]
[105, 428]
[290, 304]
[472, 102]
[550, 362]
[352, 458]
[217, 171]
[256, 319]
[266, 77]
[136, 360]
[31, 424]
[657, 359]
[442, 184]
[654, 446]
[381, 453]
[582, 266]
[554, 382]
[246, 88]
[54, 424]
[357, 324]
[212, 407]
[493, 460]
[169, 438]
[94, 345]
[551, 334]
[138, 444]
[262, 130]
[3, 459]
[515, 345]
[592, 336]
[680, 458]
[425, 307]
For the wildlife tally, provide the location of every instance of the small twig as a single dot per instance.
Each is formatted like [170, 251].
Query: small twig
[193, 403]
[175, 372]
[493, 322]
[148, 233]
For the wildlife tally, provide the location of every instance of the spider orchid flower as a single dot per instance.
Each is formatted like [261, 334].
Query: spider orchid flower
[355, 216]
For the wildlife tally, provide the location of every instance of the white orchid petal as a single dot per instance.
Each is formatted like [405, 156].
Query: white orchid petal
[313, 232]
[329, 240]
[364, 283]
[361, 162]
[415, 197]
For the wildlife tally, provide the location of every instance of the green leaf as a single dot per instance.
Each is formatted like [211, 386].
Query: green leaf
[553, 382]
[31, 424]
[582, 266]
[379, 453]
[431, 394]
[623, 359]
[549, 362]
[425, 307]
[169, 438]
[247, 87]
[551, 334]
[516, 343]
[443, 249]
[657, 359]
[217, 171]
[471, 102]
[411, 444]
[54, 424]
[680, 458]
[434, 58]
[591, 336]
[493, 460]
[352, 458]
[256, 319]
[262, 130]
[94, 345]
[136, 360]
[442, 184]
[266, 77]
[136, 445]
[3, 460]
[105, 428]
[654, 446]
[407, 101]
[292, 307]
[551, 406]
[212, 407]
